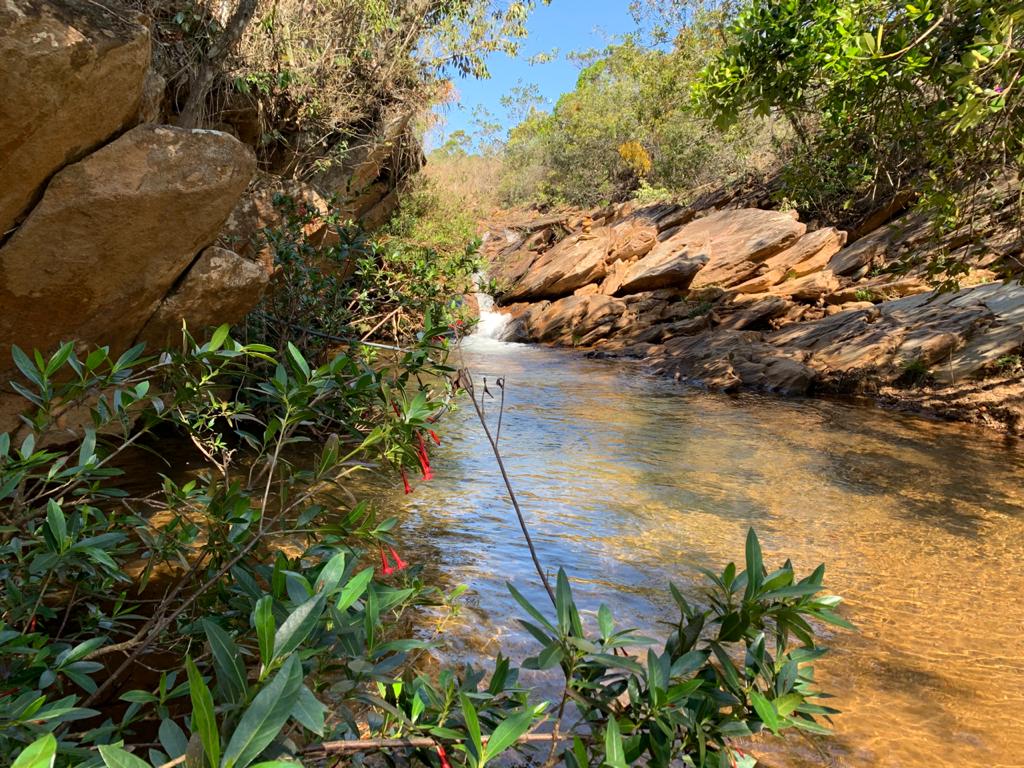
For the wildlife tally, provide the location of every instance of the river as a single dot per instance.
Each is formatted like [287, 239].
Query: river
[629, 481]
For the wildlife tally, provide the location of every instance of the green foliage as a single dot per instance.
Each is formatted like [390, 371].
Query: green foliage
[1010, 364]
[206, 548]
[914, 373]
[883, 94]
[341, 284]
[739, 666]
[629, 121]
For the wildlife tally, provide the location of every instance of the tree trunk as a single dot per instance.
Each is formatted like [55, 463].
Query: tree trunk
[193, 114]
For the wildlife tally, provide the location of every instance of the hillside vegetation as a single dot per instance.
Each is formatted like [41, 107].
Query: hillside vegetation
[837, 109]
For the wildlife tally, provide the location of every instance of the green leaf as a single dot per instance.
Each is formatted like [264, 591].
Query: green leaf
[330, 574]
[298, 625]
[506, 733]
[765, 711]
[263, 621]
[473, 729]
[219, 337]
[57, 524]
[60, 357]
[528, 607]
[265, 717]
[87, 452]
[755, 564]
[605, 621]
[115, 757]
[172, 738]
[298, 359]
[26, 366]
[80, 651]
[41, 753]
[227, 663]
[354, 589]
[310, 712]
[614, 752]
[203, 719]
[568, 617]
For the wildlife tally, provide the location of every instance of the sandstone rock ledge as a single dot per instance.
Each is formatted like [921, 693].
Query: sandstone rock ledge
[748, 298]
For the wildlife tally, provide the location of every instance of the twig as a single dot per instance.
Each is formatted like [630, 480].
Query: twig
[415, 742]
[329, 336]
[467, 382]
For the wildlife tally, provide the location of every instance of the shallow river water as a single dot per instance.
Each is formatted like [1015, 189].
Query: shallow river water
[630, 481]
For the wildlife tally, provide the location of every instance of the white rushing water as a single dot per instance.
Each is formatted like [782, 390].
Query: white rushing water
[492, 325]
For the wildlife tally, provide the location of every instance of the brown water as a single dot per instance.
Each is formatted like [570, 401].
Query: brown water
[630, 482]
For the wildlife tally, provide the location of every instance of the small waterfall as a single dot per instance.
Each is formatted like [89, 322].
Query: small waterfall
[492, 325]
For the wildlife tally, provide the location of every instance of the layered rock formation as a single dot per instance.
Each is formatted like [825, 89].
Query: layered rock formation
[744, 297]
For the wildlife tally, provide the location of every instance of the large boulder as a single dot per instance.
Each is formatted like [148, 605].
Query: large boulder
[811, 253]
[737, 241]
[221, 287]
[661, 268]
[573, 262]
[72, 75]
[114, 233]
[573, 321]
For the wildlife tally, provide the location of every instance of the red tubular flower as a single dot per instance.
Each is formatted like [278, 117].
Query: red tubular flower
[385, 566]
[424, 459]
[434, 437]
[400, 564]
[405, 482]
[444, 757]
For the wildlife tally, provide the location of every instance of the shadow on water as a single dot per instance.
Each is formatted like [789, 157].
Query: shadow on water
[630, 482]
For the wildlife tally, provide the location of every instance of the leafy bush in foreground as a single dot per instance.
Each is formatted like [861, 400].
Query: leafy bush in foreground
[252, 613]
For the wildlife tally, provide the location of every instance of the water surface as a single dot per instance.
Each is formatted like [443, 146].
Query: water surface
[630, 481]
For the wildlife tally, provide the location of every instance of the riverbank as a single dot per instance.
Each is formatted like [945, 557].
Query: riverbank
[728, 296]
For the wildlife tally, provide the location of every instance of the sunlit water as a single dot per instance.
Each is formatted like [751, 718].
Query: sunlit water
[630, 481]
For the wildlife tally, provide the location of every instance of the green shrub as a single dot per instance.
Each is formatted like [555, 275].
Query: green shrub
[884, 96]
[627, 124]
[356, 286]
[249, 589]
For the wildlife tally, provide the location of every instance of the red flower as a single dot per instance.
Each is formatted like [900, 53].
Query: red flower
[434, 437]
[385, 566]
[424, 459]
[400, 564]
[444, 757]
[405, 482]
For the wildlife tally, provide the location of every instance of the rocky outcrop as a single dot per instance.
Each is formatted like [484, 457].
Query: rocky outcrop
[114, 233]
[107, 219]
[576, 261]
[72, 76]
[221, 287]
[748, 298]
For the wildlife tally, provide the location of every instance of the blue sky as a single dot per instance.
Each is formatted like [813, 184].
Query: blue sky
[567, 25]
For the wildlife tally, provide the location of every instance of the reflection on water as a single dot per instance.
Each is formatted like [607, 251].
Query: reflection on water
[630, 482]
